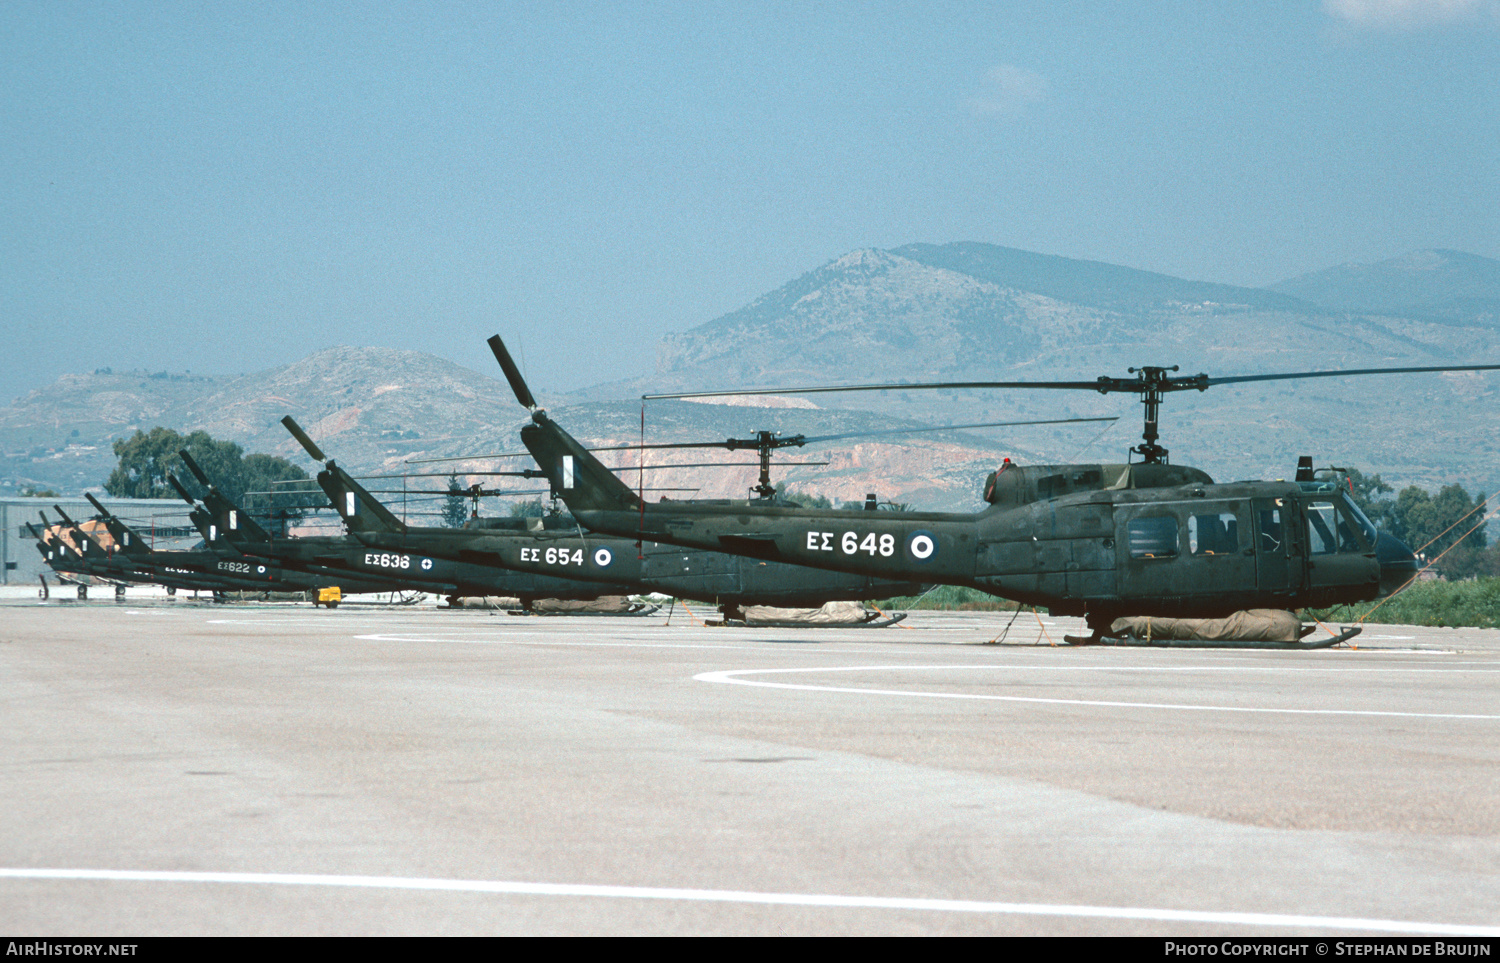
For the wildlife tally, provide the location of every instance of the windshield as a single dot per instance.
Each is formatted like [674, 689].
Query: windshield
[1359, 516]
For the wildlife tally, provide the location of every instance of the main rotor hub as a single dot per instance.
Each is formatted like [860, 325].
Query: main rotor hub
[764, 442]
[1151, 383]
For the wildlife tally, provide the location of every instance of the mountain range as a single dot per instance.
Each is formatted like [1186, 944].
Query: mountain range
[922, 312]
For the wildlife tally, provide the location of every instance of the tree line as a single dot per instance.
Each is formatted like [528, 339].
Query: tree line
[1448, 527]
[146, 458]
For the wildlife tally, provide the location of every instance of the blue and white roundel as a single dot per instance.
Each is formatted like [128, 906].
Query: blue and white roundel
[603, 557]
[921, 546]
[426, 564]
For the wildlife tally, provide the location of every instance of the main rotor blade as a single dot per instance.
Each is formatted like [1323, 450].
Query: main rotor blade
[739, 444]
[528, 473]
[512, 373]
[1241, 379]
[527, 454]
[428, 493]
[717, 464]
[988, 424]
[1103, 385]
[894, 385]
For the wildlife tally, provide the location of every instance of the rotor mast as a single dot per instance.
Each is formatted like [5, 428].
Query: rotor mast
[764, 443]
[1152, 383]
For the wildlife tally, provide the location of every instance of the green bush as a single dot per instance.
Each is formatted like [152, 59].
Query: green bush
[1472, 602]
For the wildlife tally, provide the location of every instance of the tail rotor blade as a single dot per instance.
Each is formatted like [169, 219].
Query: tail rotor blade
[512, 374]
[193, 467]
[172, 480]
[303, 439]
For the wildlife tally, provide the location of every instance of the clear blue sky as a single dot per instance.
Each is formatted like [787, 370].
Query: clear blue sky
[226, 187]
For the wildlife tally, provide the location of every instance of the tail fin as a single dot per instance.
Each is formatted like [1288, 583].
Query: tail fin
[577, 477]
[192, 466]
[201, 519]
[233, 522]
[209, 529]
[82, 540]
[43, 544]
[53, 536]
[126, 539]
[360, 510]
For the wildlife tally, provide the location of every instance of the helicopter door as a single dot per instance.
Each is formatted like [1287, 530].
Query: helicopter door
[1277, 561]
[1338, 554]
[1220, 561]
[1150, 539]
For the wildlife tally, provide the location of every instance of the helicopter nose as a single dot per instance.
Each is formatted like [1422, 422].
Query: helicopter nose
[1398, 564]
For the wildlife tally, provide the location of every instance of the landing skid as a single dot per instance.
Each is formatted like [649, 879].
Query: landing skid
[636, 610]
[1344, 636]
[874, 621]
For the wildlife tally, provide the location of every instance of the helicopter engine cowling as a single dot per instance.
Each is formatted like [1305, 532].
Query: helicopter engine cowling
[1014, 485]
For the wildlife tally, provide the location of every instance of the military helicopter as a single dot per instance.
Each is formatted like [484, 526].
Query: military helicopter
[553, 558]
[1099, 541]
[350, 563]
[316, 562]
[128, 559]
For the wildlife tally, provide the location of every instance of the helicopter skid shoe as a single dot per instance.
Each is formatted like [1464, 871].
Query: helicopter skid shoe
[1348, 633]
[872, 621]
[636, 610]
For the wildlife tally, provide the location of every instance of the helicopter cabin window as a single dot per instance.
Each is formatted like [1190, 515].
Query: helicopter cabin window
[1270, 529]
[1153, 537]
[1213, 534]
[1328, 532]
[1085, 479]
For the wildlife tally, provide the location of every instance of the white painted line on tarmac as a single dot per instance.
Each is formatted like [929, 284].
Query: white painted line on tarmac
[732, 677]
[585, 890]
[558, 642]
[432, 637]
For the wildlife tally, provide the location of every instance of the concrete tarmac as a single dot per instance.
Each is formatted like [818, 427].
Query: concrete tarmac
[173, 767]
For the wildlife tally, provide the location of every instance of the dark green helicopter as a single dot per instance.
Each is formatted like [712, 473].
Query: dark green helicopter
[537, 554]
[1099, 541]
[128, 559]
[350, 563]
[245, 547]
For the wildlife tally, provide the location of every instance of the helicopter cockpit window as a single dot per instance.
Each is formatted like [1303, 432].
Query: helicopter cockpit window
[1329, 531]
[1213, 534]
[1360, 518]
[1154, 537]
